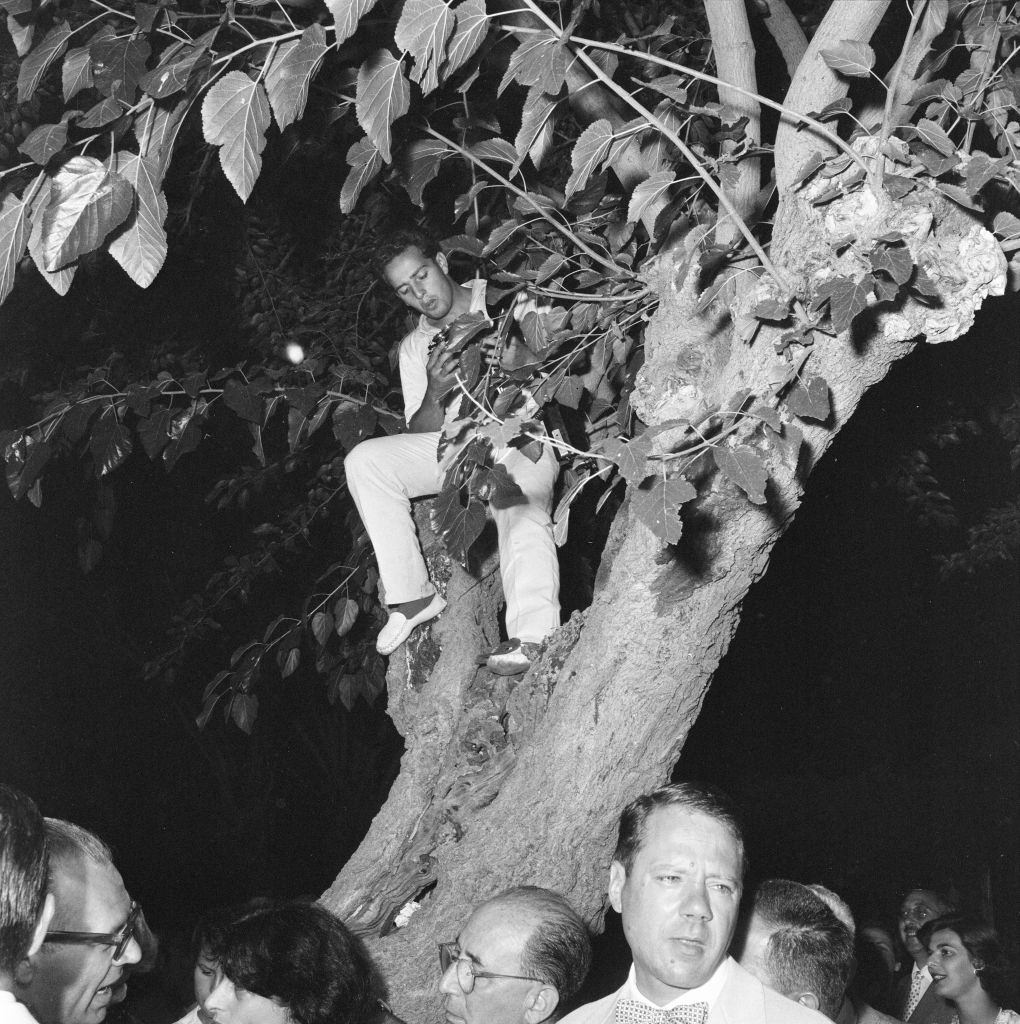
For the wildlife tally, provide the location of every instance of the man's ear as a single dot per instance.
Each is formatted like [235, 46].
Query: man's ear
[442, 262]
[617, 877]
[541, 1005]
[808, 999]
[43, 924]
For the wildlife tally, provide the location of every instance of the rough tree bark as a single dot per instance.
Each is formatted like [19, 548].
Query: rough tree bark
[515, 781]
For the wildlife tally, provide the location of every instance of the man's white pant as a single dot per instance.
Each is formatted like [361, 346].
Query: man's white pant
[385, 473]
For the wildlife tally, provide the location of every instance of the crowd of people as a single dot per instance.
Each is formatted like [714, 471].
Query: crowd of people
[789, 953]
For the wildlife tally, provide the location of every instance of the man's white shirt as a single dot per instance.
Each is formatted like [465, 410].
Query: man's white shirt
[13, 1012]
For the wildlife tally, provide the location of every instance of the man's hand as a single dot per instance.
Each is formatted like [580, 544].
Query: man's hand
[441, 369]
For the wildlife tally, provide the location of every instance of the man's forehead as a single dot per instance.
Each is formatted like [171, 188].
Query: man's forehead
[918, 897]
[682, 828]
[407, 261]
[494, 930]
[89, 896]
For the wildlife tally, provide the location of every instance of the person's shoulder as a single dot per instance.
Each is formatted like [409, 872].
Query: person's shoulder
[592, 1013]
[744, 998]
[1008, 1017]
[869, 1015]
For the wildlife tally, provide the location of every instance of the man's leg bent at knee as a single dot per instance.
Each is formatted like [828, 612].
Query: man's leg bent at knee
[383, 475]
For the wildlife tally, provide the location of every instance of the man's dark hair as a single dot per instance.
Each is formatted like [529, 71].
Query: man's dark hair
[691, 796]
[810, 950]
[988, 957]
[212, 926]
[305, 958]
[23, 866]
[390, 245]
[559, 948]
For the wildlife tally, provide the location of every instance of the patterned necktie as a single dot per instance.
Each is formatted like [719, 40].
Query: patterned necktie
[917, 988]
[632, 1011]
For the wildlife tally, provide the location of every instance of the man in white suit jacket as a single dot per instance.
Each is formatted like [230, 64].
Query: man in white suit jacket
[676, 879]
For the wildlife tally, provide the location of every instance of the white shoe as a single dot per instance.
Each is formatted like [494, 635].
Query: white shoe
[398, 626]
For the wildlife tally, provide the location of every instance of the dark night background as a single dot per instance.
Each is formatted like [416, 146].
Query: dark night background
[867, 714]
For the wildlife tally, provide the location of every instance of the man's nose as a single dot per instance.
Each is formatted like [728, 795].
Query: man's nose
[132, 952]
[448, 983]
[694, 901]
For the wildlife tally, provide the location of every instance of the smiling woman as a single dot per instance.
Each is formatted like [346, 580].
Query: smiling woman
[294, 963]
[969, 968]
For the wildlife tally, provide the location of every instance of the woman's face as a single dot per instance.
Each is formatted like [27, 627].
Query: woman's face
[950, 965]
[230, 1004]
[206, 975]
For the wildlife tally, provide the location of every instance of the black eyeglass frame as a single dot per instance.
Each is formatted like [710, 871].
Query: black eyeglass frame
[449, 954]
[120, 939]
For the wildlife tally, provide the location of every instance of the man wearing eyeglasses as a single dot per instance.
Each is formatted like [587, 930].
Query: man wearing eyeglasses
[80, 969]
[25, 907]
[914, 999]
[518, 958]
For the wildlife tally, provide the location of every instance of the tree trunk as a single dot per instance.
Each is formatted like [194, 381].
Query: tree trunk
[521, 781]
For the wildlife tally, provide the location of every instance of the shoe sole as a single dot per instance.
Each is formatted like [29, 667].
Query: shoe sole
[427, 613]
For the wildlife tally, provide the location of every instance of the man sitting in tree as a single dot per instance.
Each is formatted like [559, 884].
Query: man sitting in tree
[385, 473]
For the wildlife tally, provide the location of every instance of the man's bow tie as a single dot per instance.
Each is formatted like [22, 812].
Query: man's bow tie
[631, 1011]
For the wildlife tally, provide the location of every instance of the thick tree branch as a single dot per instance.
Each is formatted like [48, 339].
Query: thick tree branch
[815, 85]
[734, 61]
[786, 31]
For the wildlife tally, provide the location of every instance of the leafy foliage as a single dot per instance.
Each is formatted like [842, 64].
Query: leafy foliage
[527, 189]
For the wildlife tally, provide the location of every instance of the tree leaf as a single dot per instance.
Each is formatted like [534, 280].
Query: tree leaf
[457, 524]
[846, 299]
[76, 73]
[291, 72]
[58, 280]
[382, 96]
[773, 310]
[239, 397]
[235, 116]
[244, 709]
[934, 136]
[540, 60]
[34, 66]
[44, 141]
[850, 57]
[420, 165]
[170, 76]
[649, 198]
[322, 627]
[110, 443]
[86, 203]
[288, 661]
[894, 260]
[589, 153]
[105, 112]
[809, 399]
[140, 246]
[423, 29]
[22, 32]
[658, 506]
[365, 163]
[744, 466]
[182, 441]
[472, 23]
[631, 457]
[118, 64]
[156, 129]
[498, 150]
[345, 612]
[347, 14]
[537, 123]
[154, 431]
[981, 169]
[13, 239]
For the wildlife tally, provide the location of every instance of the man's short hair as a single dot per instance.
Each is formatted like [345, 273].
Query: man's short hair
[66, 844]
[691, 796]
[810, 950]
[558, 951]
[838, 905]
[390, 245]
[23, 866]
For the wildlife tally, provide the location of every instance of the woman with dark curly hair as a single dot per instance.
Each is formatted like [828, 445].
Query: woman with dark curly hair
[969, 969]
[294, 963]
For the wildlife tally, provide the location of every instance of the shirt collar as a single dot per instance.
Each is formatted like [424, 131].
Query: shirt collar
[707, 993]
[923, 971]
